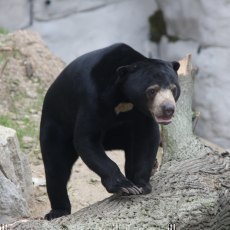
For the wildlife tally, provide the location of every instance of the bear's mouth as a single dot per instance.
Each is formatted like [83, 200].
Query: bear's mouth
[163, 120]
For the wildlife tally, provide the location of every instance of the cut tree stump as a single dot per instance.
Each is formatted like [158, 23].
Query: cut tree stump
[191, 190]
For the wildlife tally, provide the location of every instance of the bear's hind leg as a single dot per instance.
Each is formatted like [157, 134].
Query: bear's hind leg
[58, 157]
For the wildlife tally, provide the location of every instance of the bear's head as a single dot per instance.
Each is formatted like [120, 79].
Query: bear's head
[152, 86]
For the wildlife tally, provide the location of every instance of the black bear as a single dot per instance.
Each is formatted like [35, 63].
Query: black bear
[111, 98]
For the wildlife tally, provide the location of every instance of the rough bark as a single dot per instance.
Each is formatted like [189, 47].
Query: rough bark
[192, 189]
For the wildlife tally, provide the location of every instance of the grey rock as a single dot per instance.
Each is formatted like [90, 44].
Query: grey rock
[198, 20]
[177, 50]
[39, 181]
[15, 178]
[211, 95]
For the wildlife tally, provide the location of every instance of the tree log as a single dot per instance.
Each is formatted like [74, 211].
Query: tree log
[191, 190]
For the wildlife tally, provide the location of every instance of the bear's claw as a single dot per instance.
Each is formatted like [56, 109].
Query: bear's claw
[131, 190]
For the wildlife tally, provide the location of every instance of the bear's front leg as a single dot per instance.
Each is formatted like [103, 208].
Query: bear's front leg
[87, 142]
[141, 152]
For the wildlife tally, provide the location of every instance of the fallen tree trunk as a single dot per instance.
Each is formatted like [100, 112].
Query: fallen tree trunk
[192, 194]
[191, 191]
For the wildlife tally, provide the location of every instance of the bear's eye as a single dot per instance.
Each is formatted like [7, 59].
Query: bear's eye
[173, 88]
[152, 90]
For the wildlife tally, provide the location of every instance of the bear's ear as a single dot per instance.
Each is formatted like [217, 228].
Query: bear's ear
[176, 65]
[123, 70]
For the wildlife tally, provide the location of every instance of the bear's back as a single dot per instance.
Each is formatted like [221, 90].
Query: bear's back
[87, 75]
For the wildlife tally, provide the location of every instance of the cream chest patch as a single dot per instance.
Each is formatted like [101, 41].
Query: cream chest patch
[123, 107]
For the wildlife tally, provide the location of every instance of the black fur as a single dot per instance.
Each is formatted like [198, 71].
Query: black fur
[79, 119]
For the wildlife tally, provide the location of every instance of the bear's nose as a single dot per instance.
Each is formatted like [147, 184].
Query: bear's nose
[168, 109]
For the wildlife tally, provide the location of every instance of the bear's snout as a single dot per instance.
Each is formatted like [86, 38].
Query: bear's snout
[163, 107]
[168, 109]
